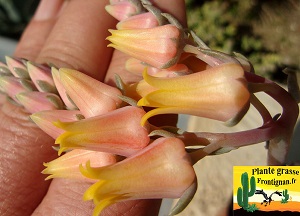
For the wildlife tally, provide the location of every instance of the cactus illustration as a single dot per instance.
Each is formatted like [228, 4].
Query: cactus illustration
[243, 192]
[286, 196]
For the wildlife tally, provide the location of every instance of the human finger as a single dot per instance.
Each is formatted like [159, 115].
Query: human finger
[77, 40]
[38, 29]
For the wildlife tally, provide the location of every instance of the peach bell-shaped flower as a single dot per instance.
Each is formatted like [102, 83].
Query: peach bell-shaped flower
[161, 170]
[39, 101]
[144, 20]
[117, 132]
[91, 96]
[67, 165]
[219, 93]
[159, 47]
[45, 119]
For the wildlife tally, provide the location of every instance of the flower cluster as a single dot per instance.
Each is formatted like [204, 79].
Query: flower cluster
[92, 122]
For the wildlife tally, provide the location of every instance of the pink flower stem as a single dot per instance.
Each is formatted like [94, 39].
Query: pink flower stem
[286, 121]
[215, 141]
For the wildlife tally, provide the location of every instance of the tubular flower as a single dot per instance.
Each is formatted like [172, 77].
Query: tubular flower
[218, 93]
[61, 90]
[17, 67]
[42, 78]
[67, 166]
[39, 101]
[161, 170]
[91, 96]
[13, 86]
[44, 120]
[159, 47]
[144, 20]
[117, 132]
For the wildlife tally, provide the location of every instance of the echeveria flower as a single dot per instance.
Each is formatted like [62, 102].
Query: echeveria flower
[17, 67]
[161, 170]
[144, 20]
[91, 96]
[45, 119]
[67, 165]
[13, 86]
[39, 101]
[117, 132]
[159, 47]
[41, 76]
[219, 93]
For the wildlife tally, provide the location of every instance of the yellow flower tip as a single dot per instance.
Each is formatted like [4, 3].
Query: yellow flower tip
[60, 124]
[102, 205]
[84, 171]
[49, 177]
[66, 74]
[21, 97]
[88, 171]
[61, 150]
[35, 118]
[154, 112]
[148, 46]
[54, 72]
[111, 45]
[62, 147]
[89, 194]
[48, 171]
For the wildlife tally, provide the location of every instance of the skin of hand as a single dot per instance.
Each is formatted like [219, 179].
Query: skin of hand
[67, 34]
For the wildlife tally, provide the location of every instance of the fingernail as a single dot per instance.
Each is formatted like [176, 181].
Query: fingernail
[48, 9]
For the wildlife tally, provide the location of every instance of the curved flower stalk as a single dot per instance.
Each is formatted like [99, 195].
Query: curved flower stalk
[219, 93]
[161, 170]
[67, 166]
[117, 132]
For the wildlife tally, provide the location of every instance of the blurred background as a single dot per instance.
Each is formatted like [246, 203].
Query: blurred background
[266, 32]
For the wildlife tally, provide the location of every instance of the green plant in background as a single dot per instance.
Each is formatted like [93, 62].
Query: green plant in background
[15, 15]
[286, 196]
[267, 32]
[243, 192]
